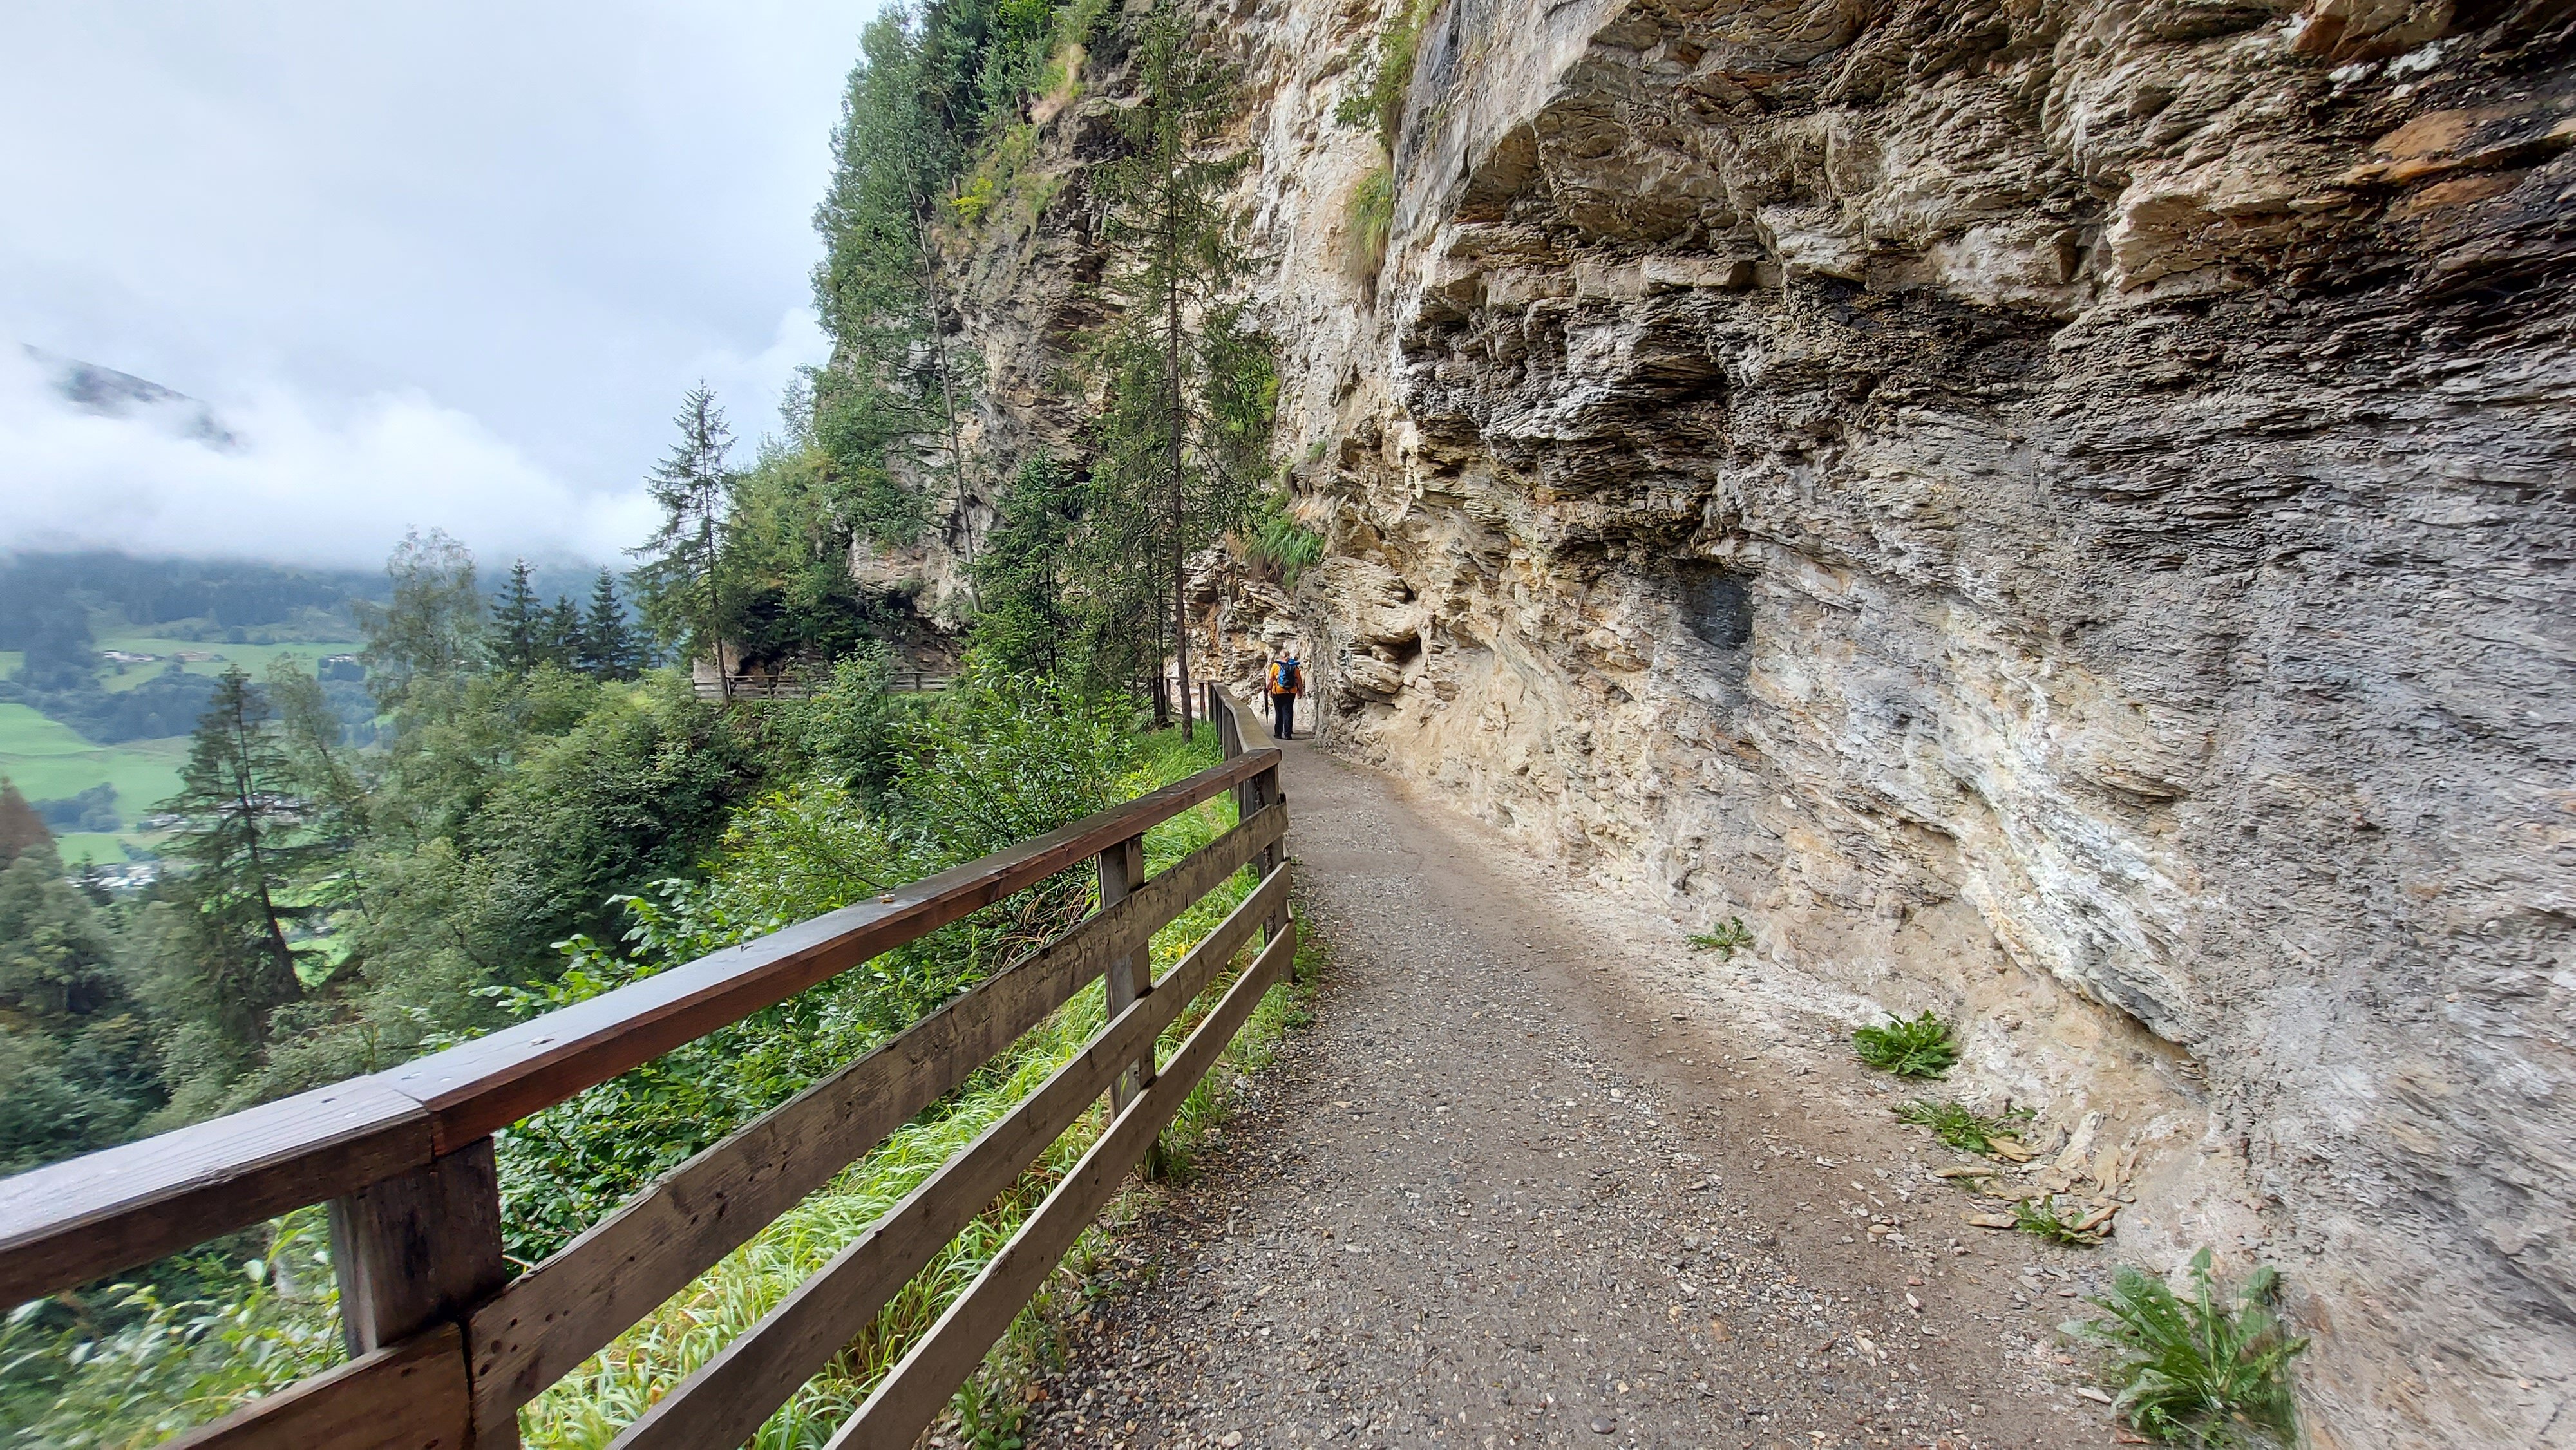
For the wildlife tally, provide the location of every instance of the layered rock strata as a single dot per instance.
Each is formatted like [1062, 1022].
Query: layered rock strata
[2053, 511]
[2057, 513]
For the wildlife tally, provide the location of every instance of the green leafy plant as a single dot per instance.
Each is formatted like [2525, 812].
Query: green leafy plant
[2043, 1217]
[1284, 545]
[1922, 1047]
[2210, 1369]
[1372, 221]
[1726, 938]
[1380, 100]
[1963, 1127]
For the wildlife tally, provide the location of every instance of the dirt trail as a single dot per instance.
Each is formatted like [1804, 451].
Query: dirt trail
[1523, 1182]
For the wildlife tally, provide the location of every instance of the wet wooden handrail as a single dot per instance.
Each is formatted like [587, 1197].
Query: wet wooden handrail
[443, 1348]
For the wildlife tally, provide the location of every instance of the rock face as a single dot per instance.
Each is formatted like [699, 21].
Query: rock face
[2054, 511]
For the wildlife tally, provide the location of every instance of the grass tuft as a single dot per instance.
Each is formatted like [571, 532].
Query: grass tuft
[2208, 1370]
[1922, 1047]
[2042, 1217]
[1726, 938]
[1963, 1127]
[1372, 222]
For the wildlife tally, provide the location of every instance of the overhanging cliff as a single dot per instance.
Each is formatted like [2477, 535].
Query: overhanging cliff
[2054, 511]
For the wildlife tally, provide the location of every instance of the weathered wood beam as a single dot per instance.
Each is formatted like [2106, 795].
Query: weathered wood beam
[621, 1269]
[729, 1396]
[911, 1394]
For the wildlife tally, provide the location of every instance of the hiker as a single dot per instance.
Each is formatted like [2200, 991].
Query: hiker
[1287, 680]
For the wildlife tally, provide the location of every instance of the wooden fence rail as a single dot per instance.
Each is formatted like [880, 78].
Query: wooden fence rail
[444, 1352]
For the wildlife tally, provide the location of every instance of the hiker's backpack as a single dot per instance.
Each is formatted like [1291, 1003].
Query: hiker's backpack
[1283, 678]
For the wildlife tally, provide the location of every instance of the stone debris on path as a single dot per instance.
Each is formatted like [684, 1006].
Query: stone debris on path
[1499, 1196]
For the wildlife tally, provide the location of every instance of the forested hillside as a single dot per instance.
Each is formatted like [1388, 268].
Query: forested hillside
[502, 805]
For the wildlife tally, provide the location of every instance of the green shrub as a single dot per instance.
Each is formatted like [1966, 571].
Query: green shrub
[1726, 938]
[1922, 1047]
[2196, 1370]
[1962, 1127]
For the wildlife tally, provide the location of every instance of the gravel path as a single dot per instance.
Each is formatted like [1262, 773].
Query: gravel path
[1514, 1187]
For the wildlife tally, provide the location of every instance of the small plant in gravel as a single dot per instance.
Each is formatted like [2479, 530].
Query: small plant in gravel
[1726, 938]
[2211, 1369]
[1922, 1047]
[2042, 1216]
[1963, 1127]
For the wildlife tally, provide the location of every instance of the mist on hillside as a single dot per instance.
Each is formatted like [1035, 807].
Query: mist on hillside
[274, 477]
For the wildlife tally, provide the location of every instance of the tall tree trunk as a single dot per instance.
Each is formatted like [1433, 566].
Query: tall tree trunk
[287, 987]
[715, 598]
[1178, 420]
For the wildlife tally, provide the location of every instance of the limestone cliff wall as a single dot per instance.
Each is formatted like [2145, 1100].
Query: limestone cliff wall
[2057, 511]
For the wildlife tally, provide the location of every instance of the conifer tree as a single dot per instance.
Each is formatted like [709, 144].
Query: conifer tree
[518, 623]
[682, 571]
[898, 367]
[1179, 362]
[1025, 622]
[562, 633]
[607, 649]
[242, 841]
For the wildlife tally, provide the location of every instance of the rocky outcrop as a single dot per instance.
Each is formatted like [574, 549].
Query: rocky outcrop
[2052, 510]
[2055, 511]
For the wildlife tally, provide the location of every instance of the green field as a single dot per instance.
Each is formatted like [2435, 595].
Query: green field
[48, 761]
[204, 657]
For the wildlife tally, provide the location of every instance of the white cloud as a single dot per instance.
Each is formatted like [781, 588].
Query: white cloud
[506, 237]
[295, 484]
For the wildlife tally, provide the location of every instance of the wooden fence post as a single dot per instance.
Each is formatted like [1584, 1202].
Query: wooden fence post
[1251, 796]
[1122, 870]
[421, 1250]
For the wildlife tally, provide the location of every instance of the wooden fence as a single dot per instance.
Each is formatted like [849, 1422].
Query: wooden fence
[445, 1348]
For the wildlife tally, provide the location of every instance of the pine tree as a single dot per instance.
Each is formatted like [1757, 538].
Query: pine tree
[518, 623]
[1025, 621]
[560, 640]
[681, 575]
[607, 649]
[898, 368]
[242, 842]
[1178, 363]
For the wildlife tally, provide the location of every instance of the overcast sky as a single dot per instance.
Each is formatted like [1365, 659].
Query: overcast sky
[442, 264]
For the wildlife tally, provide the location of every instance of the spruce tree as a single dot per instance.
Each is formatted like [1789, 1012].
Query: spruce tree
[1178, 358]
[898, 369]
[241, 843]
[607, 649]
[561, 637]
[518, 623]
[680, 577]
[1025, 619]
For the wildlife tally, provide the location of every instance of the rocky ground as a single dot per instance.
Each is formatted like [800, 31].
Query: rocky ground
[1531, 1180]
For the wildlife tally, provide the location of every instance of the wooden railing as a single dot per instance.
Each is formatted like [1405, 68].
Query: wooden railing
[445, 1349]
